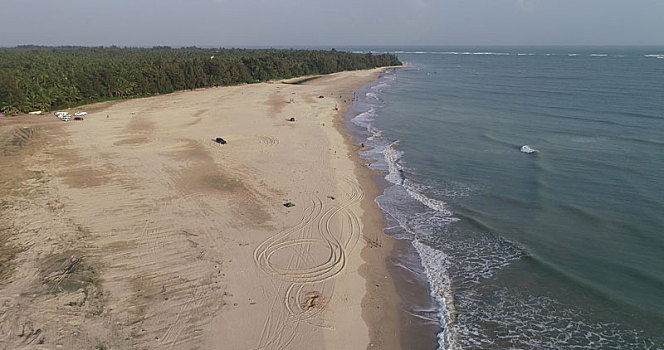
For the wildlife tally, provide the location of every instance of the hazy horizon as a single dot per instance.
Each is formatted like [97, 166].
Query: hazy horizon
[343, 23]
[337, 47]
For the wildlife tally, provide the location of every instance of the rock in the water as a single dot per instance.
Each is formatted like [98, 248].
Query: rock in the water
[527, 149]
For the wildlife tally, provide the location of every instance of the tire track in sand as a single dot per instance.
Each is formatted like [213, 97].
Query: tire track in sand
[287, 257]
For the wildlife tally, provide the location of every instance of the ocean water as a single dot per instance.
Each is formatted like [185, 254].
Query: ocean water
[562, 248]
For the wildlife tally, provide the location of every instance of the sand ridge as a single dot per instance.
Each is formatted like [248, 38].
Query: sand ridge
[133, 229]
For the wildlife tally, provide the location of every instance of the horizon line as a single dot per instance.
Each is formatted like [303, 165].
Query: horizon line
[331, 46]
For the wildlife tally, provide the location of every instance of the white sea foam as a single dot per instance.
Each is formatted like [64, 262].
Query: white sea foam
[431, 203]
[435, 265]
[453, 53]
[373, 96]
[491, 53]
[481, 53]
[416, 52]
[392, 156]
[364, 119]
[537, 322]
[655, 55]
[375, 133]
[598, 55]
[380, 86]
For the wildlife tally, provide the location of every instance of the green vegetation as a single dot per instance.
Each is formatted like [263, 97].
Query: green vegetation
[44, 78]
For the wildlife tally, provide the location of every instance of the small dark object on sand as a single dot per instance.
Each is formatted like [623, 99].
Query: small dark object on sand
[291, 119]
[78, 118]
[330, 197]
[321, 96]
[220, 141]
[288, 204]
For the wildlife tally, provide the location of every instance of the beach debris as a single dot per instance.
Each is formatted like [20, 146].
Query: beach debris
[220, 141]
[313, 300]
[36, 113]
[527, 149]
[330, 197]
[288, 204]
[373, 243]
[78, 118]
[292, 119]
[80, 114]
[321, 96]
[64, 116]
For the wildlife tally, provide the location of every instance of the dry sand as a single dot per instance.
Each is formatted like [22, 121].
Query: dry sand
[132, 229]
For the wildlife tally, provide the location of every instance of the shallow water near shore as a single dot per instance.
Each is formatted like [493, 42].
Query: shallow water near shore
[559, 248]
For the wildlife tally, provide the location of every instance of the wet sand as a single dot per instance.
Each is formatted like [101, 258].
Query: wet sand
[418, 312]
[134, 229]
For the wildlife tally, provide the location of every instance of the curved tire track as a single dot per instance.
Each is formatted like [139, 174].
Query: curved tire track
[335, 229]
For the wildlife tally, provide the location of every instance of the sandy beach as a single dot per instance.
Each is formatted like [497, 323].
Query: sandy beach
[133, 229]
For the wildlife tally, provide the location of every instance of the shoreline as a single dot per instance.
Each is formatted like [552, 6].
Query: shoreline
[159, 224]
[381, 302]
[399, 259]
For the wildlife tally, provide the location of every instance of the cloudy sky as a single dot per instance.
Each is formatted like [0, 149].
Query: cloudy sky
[331, 22]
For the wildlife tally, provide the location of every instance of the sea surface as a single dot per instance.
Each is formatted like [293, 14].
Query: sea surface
[558, 249]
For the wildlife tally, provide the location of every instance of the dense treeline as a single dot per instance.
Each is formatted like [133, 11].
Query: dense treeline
[44, 78]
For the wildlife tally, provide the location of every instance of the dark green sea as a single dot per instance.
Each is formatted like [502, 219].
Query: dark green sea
[558, 249]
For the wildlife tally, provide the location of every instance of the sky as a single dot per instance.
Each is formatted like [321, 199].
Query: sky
[295, 23]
